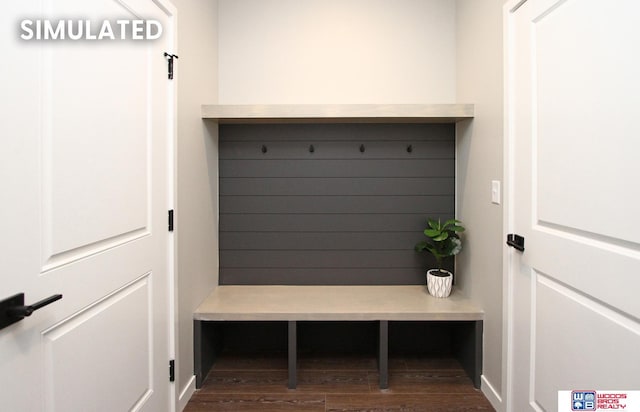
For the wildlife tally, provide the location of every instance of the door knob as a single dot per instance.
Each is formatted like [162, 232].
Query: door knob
[13, 308]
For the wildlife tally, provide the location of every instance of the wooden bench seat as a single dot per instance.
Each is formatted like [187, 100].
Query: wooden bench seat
[336, 303]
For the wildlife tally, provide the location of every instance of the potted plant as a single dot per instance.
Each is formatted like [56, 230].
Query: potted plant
[443, 241]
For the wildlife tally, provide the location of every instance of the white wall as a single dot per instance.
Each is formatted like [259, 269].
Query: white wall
[336, 51]
[197, 175]
[480, 160]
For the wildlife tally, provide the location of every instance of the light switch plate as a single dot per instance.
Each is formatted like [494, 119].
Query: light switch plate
[495, 192]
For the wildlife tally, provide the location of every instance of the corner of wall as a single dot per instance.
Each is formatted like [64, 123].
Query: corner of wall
[196, 177]
[479, 145]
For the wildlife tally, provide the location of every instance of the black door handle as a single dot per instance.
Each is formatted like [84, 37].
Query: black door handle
[515, 241]
[23, 311]
[13, 308]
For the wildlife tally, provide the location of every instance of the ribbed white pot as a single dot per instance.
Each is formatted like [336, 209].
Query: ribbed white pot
[439, 286]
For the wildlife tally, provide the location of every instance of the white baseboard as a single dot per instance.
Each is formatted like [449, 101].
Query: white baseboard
[492, 395]
[186, 393]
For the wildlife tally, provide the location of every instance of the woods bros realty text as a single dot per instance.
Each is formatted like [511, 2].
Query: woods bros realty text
[80, 29]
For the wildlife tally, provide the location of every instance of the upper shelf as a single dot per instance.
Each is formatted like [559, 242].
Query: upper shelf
[338, 113]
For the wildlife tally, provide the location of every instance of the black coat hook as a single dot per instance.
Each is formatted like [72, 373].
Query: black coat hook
[311, 149]
[264, 149]
[409, 149]
[362, 148]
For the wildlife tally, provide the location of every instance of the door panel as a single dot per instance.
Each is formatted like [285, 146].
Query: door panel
[571, 332]
[572, 142]
[96, 149]
[586, 92]
[129, 347]
[618, 264]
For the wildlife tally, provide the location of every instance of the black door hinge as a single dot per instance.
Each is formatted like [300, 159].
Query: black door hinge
[170, 58]
[171, 220]
[172, 370]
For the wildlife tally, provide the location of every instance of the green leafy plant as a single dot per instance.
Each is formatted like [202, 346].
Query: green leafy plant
[442, 240]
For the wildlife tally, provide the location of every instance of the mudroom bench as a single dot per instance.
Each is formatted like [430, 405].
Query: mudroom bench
[380, 304]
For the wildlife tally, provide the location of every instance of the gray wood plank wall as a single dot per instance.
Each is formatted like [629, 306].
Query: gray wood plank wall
[334, 215]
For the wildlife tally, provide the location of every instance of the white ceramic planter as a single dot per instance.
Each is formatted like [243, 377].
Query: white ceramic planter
[439, 286]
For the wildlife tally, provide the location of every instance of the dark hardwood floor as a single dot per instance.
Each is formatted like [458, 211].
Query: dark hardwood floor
[330, 383]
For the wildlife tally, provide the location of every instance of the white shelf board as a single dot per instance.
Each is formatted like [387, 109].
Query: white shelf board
[339, 113]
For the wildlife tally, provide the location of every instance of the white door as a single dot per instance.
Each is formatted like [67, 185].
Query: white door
[573, 99]
[84, 187]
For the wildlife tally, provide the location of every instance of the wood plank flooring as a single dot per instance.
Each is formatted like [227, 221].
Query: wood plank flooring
[330, 383]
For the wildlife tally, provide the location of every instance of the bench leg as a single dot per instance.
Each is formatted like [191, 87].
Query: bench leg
[478, 331]
[293, 355]
[206, 347]
[468, 349]
[197, 353]
[383, 354]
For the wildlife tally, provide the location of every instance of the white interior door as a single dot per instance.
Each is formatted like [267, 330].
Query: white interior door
[573, 97]
[84, 203]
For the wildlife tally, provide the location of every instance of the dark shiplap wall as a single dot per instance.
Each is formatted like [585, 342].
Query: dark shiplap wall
[335, 215]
